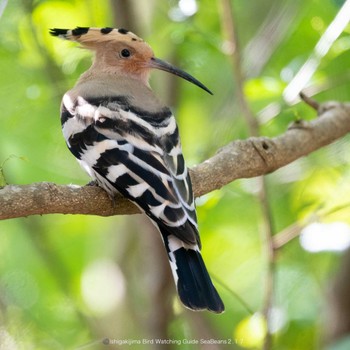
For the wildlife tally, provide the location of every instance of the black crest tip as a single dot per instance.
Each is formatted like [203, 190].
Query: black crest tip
[106, 30]
[123, 31]
[80, 31]
[58, 32]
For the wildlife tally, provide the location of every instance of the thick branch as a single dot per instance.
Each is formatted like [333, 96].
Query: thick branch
[239, 159]
[260, 155]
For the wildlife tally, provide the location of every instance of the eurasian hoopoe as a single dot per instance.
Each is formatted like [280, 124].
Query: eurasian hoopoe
[129, 142]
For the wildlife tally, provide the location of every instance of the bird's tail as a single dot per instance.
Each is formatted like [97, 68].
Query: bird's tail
[193, 283]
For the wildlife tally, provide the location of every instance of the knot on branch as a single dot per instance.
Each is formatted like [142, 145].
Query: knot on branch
[265, 148]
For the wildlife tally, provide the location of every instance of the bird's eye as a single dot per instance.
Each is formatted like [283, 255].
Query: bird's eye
[125, 53]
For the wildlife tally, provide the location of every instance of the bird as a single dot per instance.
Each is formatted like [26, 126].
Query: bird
[128, 142]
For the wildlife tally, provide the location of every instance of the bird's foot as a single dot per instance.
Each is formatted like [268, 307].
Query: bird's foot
[92, 183]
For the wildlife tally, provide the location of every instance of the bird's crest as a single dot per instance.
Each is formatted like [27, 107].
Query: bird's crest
[92, 36]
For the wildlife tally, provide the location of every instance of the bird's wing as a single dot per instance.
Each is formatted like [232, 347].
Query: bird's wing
[138, 153]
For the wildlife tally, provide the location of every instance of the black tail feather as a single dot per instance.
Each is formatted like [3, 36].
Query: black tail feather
[194, 285]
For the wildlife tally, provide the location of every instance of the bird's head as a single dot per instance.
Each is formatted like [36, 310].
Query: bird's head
[121, 52]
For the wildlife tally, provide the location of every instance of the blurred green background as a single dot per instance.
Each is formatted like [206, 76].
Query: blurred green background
[68, 282]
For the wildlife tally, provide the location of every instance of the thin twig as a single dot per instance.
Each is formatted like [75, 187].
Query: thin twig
[294, 230]
[234, 294]
[309, 101]
[286, 235]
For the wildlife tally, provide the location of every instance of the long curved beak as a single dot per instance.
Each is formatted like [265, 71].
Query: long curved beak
[167, 67]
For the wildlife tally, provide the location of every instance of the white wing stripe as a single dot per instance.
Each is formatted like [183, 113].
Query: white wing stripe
[138, 190]
[114, 171]
[71, 127]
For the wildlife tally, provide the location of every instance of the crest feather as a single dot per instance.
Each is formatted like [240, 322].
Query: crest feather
[92, 36]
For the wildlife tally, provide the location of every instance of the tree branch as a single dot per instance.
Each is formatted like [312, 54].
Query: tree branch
[260, 155]
[239, 159]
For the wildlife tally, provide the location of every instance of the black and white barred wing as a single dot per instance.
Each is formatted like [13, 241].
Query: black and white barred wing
[138, 154]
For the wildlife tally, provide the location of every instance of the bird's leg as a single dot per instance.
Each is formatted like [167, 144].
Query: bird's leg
[93, 183]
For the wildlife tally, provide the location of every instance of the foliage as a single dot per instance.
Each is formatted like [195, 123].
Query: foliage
[52, 267]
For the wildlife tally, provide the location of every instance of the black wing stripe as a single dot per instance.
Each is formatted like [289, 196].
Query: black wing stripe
[148, 197]
[170, 141]
[117, 103]
[174, 215]
[124, 178]
[157, 210]
[151, 159]
[115, 156]
[78, 142]
[180, 165]
[125, 127]
[65, 115]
